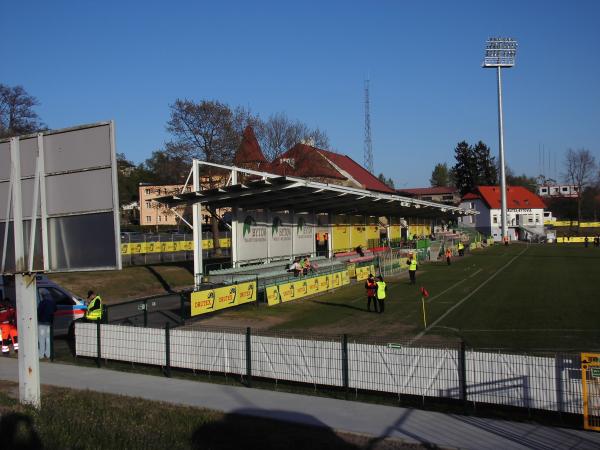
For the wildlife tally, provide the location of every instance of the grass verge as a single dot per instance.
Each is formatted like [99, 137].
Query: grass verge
[85, 419]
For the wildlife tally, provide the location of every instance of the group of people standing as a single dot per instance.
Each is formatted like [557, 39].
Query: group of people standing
[376, 293]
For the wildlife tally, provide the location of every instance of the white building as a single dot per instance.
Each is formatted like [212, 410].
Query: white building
[525, 212]
[562, 190]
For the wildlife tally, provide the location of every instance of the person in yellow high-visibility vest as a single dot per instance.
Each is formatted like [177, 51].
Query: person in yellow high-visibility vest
[381, 293]
[94, 309]
[461, 249]
[412, 268]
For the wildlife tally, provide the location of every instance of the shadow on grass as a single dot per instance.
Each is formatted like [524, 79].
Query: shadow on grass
[18, 433]
[165, 285]
[255, 428]
[341, 305]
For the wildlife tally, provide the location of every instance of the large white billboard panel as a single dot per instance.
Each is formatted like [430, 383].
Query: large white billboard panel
[73, 174]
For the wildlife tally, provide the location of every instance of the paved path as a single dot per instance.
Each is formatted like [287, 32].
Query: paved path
[410, 425]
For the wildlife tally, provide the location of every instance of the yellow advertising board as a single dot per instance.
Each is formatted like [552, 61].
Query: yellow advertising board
[351, 268]
[295, 290]
[358, 236]
[372, 232]
[362, 273]
[344, 277]
[341, 237]
[138, 248]
[225, 297]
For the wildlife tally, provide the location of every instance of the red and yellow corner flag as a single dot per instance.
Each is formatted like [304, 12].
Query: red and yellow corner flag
[424, 295]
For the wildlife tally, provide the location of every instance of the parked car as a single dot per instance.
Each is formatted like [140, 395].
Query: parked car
[69, 306]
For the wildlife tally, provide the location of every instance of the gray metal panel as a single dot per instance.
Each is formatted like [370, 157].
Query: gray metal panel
[4, 160]
[3, 200]
[79, 192]
[28, 149]
[78, 149]
[81, 242]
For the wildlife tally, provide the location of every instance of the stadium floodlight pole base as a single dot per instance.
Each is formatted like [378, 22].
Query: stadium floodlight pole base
[197, 228]
[503, 218]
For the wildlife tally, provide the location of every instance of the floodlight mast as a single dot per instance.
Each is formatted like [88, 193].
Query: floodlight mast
[499, 53]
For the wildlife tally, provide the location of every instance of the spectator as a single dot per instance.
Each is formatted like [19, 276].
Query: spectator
[45, 312]
[295, 267]
[371, 288]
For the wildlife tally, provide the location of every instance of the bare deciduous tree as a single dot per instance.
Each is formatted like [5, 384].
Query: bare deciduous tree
[279, 133]
[207, 130]
[580, 166]
[16, 112]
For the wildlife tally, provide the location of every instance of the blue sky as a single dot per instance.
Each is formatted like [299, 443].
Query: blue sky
[125, 60]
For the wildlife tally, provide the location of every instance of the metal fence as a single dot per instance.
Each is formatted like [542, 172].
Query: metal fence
[154, 248]
[446, 371]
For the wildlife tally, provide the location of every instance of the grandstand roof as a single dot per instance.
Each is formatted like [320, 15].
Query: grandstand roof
[285, 193]
[435, 190]
[517, 197]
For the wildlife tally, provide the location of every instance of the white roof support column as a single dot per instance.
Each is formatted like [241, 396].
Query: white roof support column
[197, 229]
[234, 224]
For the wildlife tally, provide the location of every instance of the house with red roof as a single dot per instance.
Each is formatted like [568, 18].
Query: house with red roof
[306, 161]
[524, 212]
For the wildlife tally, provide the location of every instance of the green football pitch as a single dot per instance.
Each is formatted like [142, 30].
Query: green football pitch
[520, 297]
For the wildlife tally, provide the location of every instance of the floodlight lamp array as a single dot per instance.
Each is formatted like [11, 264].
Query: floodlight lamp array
[500, 52]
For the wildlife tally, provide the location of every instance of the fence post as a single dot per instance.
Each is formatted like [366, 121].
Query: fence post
[167, 350]
[145, 313]
[98, 345]
[248, 358]
[345, 377]
[52, 341]
[182, 307]
[462, 372]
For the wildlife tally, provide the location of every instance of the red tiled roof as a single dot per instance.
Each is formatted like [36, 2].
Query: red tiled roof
[356, 171]
[436, 190]
[307, 161]
[516, 197]
[249, 150]
[471, 196]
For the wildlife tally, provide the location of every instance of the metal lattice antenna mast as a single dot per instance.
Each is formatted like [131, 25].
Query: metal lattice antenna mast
[368, 146]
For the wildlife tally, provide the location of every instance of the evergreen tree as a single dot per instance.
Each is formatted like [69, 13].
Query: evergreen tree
[487, 171]
[465, 169]
[440, 175]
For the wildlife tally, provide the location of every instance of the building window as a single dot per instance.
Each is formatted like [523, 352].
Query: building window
[544, 190]
[564, 189]
[148, 204]
[447, 197]
[472, 205]
[470, 219]
[530, 219]
[166, 219]
[159, 218]
[148, 219]
[537, 218]
[495, 219]
[426, 198]
[147, 191]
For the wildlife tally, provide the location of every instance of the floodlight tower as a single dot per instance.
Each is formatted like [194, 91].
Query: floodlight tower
[368, 145]
[499, 53]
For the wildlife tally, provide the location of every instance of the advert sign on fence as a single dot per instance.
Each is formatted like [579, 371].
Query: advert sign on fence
[285, 292]
[225, 297]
